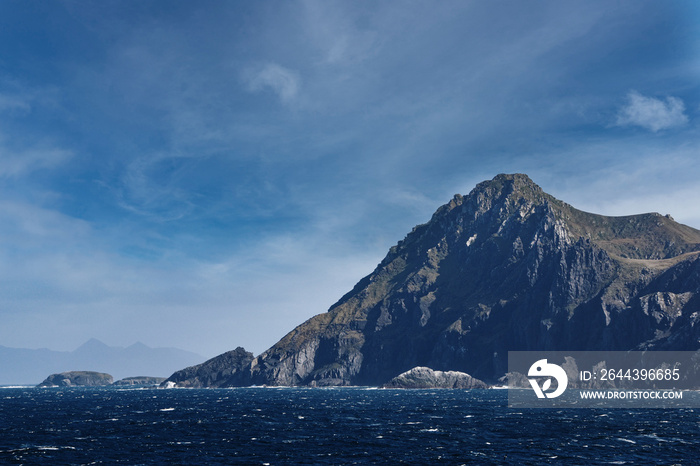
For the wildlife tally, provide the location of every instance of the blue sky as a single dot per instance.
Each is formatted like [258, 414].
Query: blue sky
[210, 174]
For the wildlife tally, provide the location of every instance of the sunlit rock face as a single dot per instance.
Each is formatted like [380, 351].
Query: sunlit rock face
[424, 377]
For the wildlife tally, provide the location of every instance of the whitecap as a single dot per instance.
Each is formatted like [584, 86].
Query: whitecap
[655, 437]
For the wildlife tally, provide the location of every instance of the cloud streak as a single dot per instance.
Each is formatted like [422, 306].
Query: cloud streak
[15, 163]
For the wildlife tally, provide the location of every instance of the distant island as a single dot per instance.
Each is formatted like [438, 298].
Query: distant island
[20, 366]
[506, 268]
[77, 379]
[95, 379]
[141, 380]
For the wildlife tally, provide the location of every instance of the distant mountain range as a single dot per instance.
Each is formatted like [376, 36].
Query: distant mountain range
[30, 366]
[506, 268]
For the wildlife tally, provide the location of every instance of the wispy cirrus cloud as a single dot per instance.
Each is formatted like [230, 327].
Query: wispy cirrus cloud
[21, 153]
[151, 186]
[282, 81]
[11, 103]
[333, 30]
[652, 113]
[15, 163]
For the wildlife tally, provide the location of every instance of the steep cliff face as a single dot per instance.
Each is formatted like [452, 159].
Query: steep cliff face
[507, 267]
[230, 369]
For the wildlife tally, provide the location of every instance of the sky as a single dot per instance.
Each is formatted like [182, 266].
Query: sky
[210, 174]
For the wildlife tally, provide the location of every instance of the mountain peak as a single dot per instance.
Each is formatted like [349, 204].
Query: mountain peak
[138, 346]
[508, 185]
[511, 199]
[514, 179]
[92, 345]
[498, 198]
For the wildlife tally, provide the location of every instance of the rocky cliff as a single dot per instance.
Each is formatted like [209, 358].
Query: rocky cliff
[507, 267]
[226, 370]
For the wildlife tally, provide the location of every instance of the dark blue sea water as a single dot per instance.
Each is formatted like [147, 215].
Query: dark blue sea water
[328, 426]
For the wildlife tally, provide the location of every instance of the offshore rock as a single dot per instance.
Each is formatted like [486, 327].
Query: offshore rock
[151, 381]
[424, 377]
[506, 268]
[230, 369]
[77, 379]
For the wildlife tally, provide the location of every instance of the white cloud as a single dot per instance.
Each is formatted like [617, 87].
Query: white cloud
[13, 163]
[652, 114]
[283, 81]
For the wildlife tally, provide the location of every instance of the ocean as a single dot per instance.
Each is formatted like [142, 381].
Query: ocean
[328, 426]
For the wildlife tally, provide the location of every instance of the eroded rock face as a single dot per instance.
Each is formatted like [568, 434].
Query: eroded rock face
[230, 369]
[77, 379]
[507, 267]
[424, 377]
